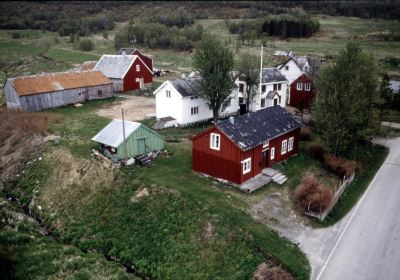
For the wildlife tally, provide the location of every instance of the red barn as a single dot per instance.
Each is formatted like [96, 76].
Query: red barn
[301, 89]
[239, 148]
[127, 72]
[132, 51]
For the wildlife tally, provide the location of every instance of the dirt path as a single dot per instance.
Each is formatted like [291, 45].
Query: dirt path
[136, 108]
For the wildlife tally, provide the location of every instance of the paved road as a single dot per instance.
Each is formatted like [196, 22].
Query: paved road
[369, 246]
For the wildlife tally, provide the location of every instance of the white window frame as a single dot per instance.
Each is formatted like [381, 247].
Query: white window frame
[168, 93]
[272, 152]
[299, 86]
[284, 147]
[137, 80]
[265, 143]
[215, 136]
[137, 67]
[246, 164]
[307, 86]
[290, 144]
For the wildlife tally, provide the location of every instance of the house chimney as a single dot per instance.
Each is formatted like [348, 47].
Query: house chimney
[232, 120]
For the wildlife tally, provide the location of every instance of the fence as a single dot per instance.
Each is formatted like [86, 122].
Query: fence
[338, 193]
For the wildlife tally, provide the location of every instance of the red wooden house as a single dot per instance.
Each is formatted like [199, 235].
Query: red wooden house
[132, 51]
[302, 89]
[239, 148]
[127, 72]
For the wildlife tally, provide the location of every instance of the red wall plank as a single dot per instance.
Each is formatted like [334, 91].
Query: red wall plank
[130, 77]
[296, 95]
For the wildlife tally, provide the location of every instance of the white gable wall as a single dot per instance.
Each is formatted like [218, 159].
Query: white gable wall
[292, 73]
[256, 105]
[168, 106]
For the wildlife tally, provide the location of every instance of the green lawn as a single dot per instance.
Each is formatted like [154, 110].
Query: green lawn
[163, 235]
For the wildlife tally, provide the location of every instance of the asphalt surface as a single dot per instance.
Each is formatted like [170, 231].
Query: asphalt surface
[368, 247]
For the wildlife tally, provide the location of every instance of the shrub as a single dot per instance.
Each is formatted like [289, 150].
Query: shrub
[86, 45]
[340, 166]
[15, 35]
[316, 150]
[311, 195]
[305, 133]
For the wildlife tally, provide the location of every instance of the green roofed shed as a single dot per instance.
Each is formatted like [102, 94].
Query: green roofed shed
[139, 139]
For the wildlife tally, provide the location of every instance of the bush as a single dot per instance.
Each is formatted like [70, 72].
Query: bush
[316, 150]
[86, 45]
[311, 195]
[305, 133]
[15, 35]
[340, 166]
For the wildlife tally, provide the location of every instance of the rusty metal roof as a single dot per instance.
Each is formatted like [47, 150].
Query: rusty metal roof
[52, 82]
[88, 65]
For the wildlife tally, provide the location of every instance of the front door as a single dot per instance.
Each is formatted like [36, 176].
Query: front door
[276, 102]
[141, 145]
[264, 159]
[141, 83]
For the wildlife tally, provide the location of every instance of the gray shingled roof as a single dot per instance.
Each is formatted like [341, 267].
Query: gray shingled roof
[112, 135]
[187, 86]
[128, 51]
[250, 130]
[115, 66]
[271, 75]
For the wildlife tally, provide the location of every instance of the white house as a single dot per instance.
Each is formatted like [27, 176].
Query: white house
[291, 70]
[272, 90]
[180, 102]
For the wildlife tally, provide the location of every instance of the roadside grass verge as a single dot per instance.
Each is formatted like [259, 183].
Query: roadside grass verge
[371, 157]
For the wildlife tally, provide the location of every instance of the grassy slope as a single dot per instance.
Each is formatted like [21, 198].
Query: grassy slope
[163, 235]
[26, 253]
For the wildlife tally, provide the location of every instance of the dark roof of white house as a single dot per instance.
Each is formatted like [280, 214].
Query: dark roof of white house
[252, 129]
[189, 86]
[272, 75]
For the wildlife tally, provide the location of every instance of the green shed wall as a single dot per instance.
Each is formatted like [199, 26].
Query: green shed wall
[153, 142]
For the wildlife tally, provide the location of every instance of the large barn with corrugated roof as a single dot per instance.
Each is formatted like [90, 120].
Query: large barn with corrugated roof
[45, 91]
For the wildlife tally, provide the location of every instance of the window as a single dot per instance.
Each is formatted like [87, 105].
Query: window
[215, 141]
[265, 143]
[138, 68]
[263, 88]
[99, 92]
[272, 152]
[194, 97]
[137, 80]
[241, 100]
[286, 67]
[290, 144]
[241, 87]
[168, 92]
[284, 147]
[275, 87]
[262, 102]
[307, 87]
[299, 86]
[279, 86]
[246, 165]
[194, 110]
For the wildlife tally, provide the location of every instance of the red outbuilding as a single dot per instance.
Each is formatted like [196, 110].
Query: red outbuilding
[132, 51]
[127, 72]
[239, 148]
[301, 90]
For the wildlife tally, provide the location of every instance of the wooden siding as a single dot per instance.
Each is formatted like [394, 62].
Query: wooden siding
[297, 95]
[130, 77]
[11, 96]
[43, 101]
[153, 142]
[146, 59]
[227, 163]
[223, 163]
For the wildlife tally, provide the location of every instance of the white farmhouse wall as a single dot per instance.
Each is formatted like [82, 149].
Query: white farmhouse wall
[292, 73]
[168, 106]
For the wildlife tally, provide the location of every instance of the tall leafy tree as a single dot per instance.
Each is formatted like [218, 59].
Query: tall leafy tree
[214, 63]
[249, 72]
[347, 91]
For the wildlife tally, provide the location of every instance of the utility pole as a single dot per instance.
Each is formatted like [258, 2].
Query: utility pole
[123, 131]
[261, 68]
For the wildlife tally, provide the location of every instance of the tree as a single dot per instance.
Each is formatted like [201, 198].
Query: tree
[385, 96]
[249, 72]
[345, 102]
[214, 63]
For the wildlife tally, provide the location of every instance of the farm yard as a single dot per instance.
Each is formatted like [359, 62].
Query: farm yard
[81, 216]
